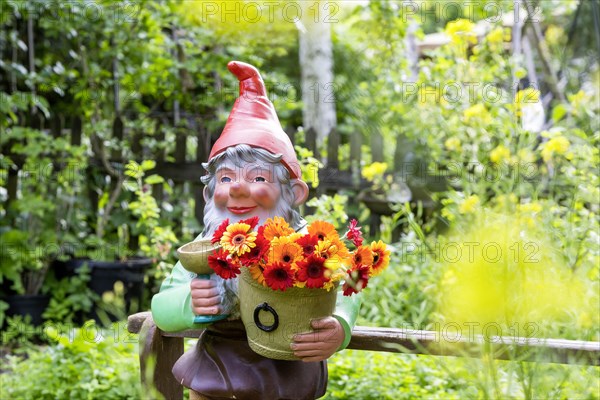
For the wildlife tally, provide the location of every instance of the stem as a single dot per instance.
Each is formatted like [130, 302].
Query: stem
[544, 55]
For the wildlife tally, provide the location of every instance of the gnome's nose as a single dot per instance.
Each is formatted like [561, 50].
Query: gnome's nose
[239, 189]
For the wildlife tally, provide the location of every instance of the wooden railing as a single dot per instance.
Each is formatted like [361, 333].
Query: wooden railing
[159, 350]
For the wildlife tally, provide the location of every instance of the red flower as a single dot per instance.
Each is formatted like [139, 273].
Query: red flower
[257, 252]
[308, 243]
[356, 279]
[250, 221]
[354, 233]
[221, 263]
[219, 232]
[279, 276]
[313, 272]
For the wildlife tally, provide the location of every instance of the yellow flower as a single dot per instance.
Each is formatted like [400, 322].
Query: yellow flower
[469, 204]
[556, 145]
[477, 112]
[504, 202]
[526, 156]
[534, 207]
[554, 34]
[237, 239]
[453, 144]
[499, 154]
[577, 101]
[372, 170]
[496, 36]
[526, 96]
[461, 30]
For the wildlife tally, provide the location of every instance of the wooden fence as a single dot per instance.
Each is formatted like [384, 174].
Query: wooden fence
[160, 350]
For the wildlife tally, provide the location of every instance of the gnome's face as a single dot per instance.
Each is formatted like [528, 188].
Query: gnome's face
[253, 169]
[244, 182]
[246, 192]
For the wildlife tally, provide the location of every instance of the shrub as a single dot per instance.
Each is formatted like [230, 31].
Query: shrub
[85, 363]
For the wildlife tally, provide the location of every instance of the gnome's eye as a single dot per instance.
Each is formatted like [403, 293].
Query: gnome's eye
[225, 179]
[259, 179]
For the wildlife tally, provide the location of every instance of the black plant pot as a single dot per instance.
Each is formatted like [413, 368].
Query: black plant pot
[33, 305]
[104, 275]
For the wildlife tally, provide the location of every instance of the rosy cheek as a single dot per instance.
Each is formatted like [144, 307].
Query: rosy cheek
[221, 196]
[265, 196]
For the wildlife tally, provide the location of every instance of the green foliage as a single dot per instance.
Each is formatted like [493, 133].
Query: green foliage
[329, 208]
[71, 297]
[309, 166]
[19, 334]
[44, 216]
[363, 375]
[155, 239]
[85, 363]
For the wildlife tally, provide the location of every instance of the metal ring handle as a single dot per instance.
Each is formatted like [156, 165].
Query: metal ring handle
[260, 325]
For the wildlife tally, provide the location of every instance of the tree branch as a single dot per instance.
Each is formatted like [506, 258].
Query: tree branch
[543, 52]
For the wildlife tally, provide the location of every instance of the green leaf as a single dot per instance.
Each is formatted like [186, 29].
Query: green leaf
[148, 164]
[558, 112]
[154, 179]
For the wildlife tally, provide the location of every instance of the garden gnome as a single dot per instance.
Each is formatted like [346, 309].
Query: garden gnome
[252, 171]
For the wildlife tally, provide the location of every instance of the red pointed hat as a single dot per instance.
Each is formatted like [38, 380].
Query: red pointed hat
[253, 120]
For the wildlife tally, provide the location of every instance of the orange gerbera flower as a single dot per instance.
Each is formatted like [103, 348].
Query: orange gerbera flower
[329, 248]
[256, 270]
[237, 239]
[285, 250]
[362, 256]
[381, 257]
[323, 230]
[276, 227]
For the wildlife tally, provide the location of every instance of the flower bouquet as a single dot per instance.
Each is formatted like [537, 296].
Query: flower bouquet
[288, 278]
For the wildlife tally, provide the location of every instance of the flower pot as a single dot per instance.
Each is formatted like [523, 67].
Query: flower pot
[33, 305]
[272, 318]
[104, 275]
[379, 206]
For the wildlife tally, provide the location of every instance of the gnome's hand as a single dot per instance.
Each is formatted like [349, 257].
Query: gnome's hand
[206, 299]
[327, 337]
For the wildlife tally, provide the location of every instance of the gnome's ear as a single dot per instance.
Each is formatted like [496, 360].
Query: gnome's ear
[205, 194]
[300, 189]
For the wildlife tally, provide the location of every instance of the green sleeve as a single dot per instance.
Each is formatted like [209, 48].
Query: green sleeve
[346, 311]
[171, 306]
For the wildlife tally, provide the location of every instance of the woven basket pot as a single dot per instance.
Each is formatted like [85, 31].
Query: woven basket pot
[273, 317]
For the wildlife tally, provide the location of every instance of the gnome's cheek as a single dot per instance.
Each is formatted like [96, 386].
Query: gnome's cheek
[266, 196]
[220, 198]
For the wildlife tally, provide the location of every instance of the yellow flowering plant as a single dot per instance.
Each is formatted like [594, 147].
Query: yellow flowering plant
[279, 258]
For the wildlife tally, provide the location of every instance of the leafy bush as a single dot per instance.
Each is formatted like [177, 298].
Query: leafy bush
[85, 363]
[365, 375]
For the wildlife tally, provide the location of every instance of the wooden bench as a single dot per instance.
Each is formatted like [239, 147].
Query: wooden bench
[161, 349]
